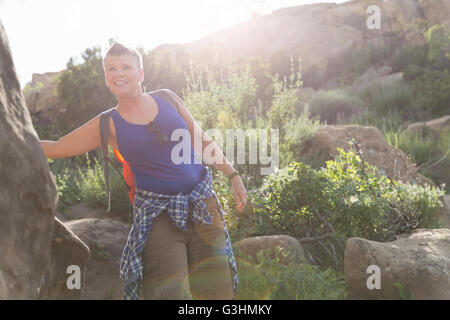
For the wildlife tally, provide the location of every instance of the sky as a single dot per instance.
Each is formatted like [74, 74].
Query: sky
[44, 34]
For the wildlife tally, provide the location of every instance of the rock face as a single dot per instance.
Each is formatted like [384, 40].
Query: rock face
[106, 239]
[36, 248]
[319, 32]
[251, 247]
[40, 93]
[418, 266]
[436, 125]
[391, 161]
[67, 250]
[27, 192]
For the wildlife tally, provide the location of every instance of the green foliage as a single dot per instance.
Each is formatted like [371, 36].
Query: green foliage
[408, 56]
[76, 183]
[346, 66]
[430, 151]
[334, 105]
[93, 191]
[297, 132]
[284, 101]
[348, 198]
[30, 88]
[404, 293]
[424, 147]
[225, 103]
[82, 92]
[68, 192]
[426, 69]
[438, 38]
[100, 252]
[387, 100]
[266, 278]
[432, 91]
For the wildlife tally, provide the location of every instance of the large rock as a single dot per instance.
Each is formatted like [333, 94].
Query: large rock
[40, 93]
[67, 250]
[436, 125]
[418, 265]
[28, 194]
[444, 213]
[320, 32]
[106, 239]
[391, 161]
[250, 247]
[82, 211]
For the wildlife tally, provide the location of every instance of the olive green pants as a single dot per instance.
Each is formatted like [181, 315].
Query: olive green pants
[190, 264]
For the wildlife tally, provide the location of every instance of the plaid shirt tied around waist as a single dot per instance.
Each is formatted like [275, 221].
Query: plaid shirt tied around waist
[147, 206]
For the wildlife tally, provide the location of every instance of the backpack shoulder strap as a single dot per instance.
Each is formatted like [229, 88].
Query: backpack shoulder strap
[104, 133]
[168, 96]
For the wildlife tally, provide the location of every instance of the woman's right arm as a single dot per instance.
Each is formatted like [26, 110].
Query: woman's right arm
[79, 141]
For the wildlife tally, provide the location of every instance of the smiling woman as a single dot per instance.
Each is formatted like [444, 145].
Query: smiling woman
[123, 72]
[178, 223]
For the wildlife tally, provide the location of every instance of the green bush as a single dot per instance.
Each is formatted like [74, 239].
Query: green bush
[77, 183]
[423, 148]
[426, 70]
[429, 150]
[266, 278]
[386, 100]
[68, 192]
[432, 91]
[334, 105]
[345, 67]
[348, 198]
[297, 132]
[414, 55]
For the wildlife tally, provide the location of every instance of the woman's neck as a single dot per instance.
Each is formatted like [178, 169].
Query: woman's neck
[130, 103]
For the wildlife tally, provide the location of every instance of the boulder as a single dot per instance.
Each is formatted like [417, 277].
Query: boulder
[82, 210]
[28, 194]
[106, 239]
[67, 250]
[391, 161]
[250, 247]
[436, 11]
[436, 125]
[40, 93]
[416, 266]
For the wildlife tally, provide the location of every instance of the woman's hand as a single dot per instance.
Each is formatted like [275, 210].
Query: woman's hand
[239, 192]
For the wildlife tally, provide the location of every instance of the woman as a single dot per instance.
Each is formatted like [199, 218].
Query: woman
[178, 247]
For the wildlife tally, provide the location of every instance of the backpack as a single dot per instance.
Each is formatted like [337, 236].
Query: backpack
[127, 175]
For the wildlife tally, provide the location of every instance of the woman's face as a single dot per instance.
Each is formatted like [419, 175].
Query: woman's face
[122, 75]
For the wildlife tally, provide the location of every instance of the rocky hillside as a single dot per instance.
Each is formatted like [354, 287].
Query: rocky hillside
[318, 34]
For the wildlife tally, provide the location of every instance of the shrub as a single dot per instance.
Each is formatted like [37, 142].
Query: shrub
[348, 198]
[421, 147]
[266, 278]
[429, 150]
[76, 183]
[68, 192]
[384, 100]
[297, 132]
[331, 106]
[93, 189]
[432, 91]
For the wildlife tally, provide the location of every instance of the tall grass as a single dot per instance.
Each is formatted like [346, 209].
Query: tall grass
[266, 278]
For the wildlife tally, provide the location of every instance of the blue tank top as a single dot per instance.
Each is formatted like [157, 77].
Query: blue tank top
[150, 160]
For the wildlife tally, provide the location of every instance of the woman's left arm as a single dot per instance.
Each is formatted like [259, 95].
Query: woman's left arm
[218, 159]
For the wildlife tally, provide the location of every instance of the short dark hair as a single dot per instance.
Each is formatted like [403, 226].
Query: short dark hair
[118, 49]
